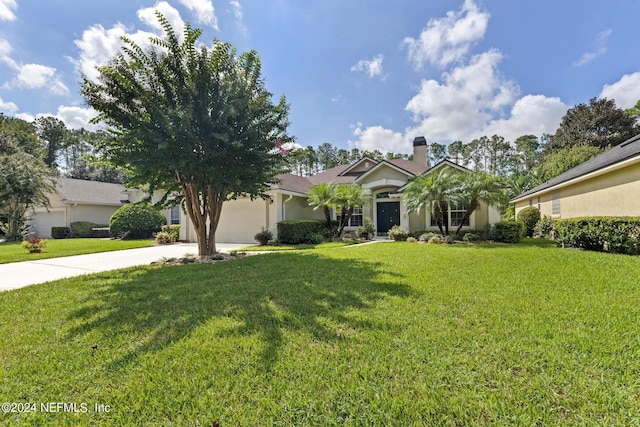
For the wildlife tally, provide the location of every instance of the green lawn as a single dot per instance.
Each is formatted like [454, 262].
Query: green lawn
[13, 252]
[303, 246]
[396, 334]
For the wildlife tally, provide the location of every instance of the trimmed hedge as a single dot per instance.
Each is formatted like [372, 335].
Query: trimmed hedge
[136, 221]
[530, 217]
[82, 228]
[507, 232]
[296, 231]
[612, 234]
[60, 232]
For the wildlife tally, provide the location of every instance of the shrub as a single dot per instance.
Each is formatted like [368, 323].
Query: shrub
[544, 228]
[82, 228]
[508, 231]
[529, 216]
[412, 239]
[173, 230]
[613, 234]
[398, 233]
[263, 236]
[436, 240]
[366, 231]
[471, 237]
[294, 232]
[448, 239]
[136, 221]
[60, 232]
[164, 238]
[315, 238]
[425, 237]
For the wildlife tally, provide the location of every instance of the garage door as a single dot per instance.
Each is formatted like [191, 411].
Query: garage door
[241, 220]
[43, 221]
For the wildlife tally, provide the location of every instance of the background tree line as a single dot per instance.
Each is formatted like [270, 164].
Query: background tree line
[585, 131]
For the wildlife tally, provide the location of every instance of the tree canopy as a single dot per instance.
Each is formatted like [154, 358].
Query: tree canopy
[599, 124]
[25, 179]
[193, 121]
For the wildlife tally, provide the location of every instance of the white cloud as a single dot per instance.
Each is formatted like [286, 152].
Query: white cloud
[467, 98]
[77, 117]
[98, 45]
[599, 50]
[237, 12]
[148, 17]
[373, 68]
[8, 106]
[6, 14]
[447, 40]
[378, 138]
[5, 50]
[531, 114]
[204, 11]
[25, 116]
[36, 76]
[626, 91]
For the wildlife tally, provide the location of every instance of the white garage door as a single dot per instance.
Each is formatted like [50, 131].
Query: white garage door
[43, 221]
[241, 220]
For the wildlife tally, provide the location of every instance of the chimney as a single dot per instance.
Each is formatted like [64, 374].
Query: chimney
[420, 151]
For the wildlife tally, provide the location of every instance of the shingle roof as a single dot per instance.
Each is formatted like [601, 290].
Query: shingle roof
[89, 192]
[294, 183]
[628, 149]
[333, 176]
[410, 166]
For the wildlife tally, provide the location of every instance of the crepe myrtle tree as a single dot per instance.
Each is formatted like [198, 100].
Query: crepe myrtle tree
[190, 120]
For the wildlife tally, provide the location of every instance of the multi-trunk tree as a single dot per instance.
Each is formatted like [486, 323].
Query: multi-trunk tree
[191, 121]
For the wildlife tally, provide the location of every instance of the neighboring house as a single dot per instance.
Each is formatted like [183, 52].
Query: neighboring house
[241, 219]
[607, 185]
[78, 200]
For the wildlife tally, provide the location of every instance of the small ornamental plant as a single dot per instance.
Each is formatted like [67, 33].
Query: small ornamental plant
[264, 236]
[34, 244]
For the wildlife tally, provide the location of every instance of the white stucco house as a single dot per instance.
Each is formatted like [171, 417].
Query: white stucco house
[241, 219]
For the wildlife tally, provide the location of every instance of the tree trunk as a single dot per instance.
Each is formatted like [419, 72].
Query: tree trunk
[472, 207]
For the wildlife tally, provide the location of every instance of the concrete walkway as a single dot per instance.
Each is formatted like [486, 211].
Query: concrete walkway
[19, 274]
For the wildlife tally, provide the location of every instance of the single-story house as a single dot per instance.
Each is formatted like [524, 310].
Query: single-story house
[383, 180]
[241, 219]
[78, 200]
[606, 185]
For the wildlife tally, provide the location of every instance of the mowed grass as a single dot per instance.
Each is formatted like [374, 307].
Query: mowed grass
[303, 246]
[13, 252]
[394, 334]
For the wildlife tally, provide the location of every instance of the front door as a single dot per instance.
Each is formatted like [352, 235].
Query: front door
[388, 215]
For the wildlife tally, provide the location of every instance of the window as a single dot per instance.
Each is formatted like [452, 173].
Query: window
[357, 218]
[457, 216]
[175, 215]
[555, 203]
[453, 217]
[538, 202]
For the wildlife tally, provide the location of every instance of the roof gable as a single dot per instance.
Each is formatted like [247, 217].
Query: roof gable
[361, 166]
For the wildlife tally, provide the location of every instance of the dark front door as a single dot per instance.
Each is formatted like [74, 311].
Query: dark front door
[388, 215]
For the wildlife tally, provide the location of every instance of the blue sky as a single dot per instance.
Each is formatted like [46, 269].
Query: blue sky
[371, 74]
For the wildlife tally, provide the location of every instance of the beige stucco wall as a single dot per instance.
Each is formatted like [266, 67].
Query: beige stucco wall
[612, 194]
[382, 173]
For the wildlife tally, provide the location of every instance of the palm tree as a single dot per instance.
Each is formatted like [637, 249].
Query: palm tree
[348, 198]
[479, 187]
[321, 196]
[435, 192]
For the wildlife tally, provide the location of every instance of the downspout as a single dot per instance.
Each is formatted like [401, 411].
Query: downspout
[284, 207]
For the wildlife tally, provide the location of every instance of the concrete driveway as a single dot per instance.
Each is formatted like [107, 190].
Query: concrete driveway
[20, 274]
